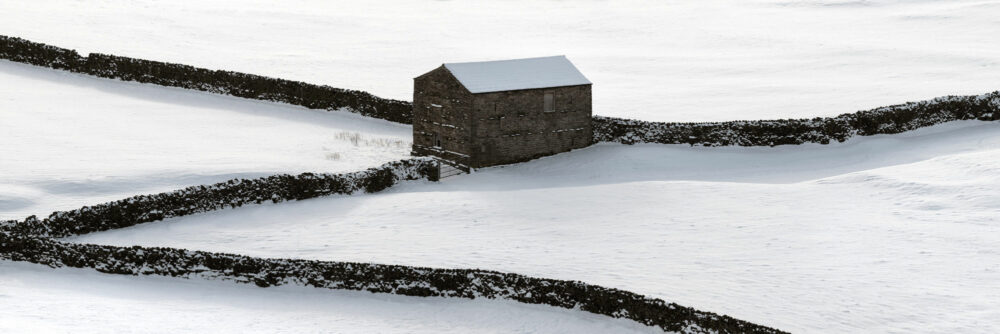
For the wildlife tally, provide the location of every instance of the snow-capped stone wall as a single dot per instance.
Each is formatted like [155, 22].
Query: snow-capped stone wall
[215, 81]
[395, 279]
[229, 194]
[882, 120]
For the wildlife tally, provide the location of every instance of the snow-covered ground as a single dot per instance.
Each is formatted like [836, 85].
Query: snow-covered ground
[70, 140]
[659, 60]
[878, 234]
[37, 299]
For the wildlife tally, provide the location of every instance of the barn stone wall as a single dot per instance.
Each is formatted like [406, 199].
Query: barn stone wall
[511, 126]
[487, 129]
[442, 107]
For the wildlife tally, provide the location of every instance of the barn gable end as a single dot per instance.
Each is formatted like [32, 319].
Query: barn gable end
[442, 117]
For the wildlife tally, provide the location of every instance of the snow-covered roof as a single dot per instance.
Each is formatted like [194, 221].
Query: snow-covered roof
[514, 74]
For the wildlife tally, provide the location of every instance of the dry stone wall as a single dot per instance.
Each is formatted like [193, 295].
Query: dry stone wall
[229, 194]
[376, 278]
[883, 120]
[215, 81]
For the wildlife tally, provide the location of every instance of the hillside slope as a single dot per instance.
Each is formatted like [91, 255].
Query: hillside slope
[667, 61]
[72, 140]
[40, 299]
[878, 234]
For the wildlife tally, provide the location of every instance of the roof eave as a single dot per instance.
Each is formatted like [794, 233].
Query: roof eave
[520, 89]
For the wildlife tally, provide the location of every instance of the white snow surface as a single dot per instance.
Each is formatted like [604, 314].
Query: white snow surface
[514, 74]
[876, 235]
[710, 60]
[38, 299]
[70, 140]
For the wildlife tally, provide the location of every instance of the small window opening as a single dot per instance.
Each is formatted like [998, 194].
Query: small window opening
[550, 103]
[437, 140]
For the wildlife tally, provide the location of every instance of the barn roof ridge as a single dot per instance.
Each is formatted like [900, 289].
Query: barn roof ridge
[517, 74]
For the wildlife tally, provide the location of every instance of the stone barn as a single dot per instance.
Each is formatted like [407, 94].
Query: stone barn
[490, 113]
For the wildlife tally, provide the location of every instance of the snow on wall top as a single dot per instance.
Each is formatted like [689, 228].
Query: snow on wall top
[513, 74]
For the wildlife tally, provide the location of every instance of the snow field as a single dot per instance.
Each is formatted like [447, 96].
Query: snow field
[665, 61]
[72, 140]
[879, 234]
[884, 234]
[38, 299]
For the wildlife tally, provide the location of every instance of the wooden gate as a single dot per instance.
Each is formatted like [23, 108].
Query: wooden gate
[448, 169]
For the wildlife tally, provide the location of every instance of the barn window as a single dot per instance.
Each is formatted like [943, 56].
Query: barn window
[437, 140]
[550, 102]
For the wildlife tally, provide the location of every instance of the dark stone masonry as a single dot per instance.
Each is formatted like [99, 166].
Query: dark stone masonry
[491, 128]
